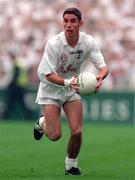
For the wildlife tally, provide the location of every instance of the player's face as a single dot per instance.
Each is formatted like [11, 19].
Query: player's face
[71, 25]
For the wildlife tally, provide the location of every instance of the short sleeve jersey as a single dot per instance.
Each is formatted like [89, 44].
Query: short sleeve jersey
[60, 58]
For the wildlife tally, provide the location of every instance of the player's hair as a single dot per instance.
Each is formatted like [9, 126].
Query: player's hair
[74, 11]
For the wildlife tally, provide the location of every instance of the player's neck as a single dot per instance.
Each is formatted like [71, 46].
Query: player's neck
[72, 41]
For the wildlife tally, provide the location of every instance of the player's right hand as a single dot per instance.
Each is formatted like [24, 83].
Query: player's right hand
[72, 83]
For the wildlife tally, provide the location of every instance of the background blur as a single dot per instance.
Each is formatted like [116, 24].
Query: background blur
[26, 25]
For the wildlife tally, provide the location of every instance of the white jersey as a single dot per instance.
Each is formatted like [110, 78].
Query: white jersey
[60, 58]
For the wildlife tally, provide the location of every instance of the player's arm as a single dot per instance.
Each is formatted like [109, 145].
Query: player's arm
[54, 78]
[98, 60]
[103, 72]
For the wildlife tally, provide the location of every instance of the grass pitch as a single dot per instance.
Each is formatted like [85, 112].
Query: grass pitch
[107, 153]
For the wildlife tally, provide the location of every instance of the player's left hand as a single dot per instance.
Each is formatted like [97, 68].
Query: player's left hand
[99, 79]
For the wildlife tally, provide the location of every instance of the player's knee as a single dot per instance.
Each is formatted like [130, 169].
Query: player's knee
[55, 136]
[77, 132]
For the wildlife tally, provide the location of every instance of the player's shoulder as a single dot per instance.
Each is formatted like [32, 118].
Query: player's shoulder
[86, 37]
[55, 40]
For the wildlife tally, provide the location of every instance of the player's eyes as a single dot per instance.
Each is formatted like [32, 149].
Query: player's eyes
[65, 21]
[71, 21]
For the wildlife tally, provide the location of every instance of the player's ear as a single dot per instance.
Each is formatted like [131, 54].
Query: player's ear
[81, 23]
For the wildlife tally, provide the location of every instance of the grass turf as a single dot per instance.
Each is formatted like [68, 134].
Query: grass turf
[107, 153]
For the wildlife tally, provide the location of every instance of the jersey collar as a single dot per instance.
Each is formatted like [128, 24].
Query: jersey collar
[64, 41]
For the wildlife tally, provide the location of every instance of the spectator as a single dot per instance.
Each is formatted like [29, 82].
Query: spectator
[16, 89]
[24, 24]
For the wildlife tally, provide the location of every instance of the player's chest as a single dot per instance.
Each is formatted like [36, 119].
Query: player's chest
[69, 55]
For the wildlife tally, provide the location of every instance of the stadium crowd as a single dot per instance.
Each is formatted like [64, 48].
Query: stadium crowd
[26, 25]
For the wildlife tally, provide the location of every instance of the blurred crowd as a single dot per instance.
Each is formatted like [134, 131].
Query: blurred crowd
[25, 25]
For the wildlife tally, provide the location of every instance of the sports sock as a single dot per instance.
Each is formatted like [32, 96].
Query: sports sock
[41, 120]
[70, 163]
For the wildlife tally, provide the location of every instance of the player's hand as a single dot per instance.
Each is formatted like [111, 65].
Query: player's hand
[72, 83]
[99, 79]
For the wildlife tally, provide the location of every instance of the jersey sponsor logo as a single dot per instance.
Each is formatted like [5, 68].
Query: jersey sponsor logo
[67, 69]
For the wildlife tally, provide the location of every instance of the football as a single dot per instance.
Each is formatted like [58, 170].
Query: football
[86, 83]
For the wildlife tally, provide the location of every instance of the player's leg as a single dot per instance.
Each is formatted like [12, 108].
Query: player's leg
[49, 122]
[74, 113]
[51, 125]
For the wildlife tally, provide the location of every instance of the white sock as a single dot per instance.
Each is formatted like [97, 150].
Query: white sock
[41, 120]
[70, 163]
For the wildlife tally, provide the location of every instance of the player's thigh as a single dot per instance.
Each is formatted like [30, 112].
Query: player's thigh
[74, 113]
[52, 117]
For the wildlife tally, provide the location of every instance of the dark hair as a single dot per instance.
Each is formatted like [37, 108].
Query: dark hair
[74, 11]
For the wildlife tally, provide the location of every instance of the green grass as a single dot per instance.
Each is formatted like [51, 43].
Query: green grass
[107, 153]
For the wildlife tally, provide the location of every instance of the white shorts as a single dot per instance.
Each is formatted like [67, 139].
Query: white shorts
[55, 94]
[58, 102]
